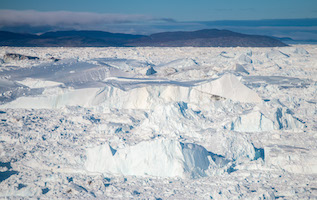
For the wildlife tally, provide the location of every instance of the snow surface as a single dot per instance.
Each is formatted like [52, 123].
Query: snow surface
[159, 123]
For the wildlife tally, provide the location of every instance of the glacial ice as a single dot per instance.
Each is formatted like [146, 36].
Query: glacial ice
[256, 122]
[232, 145]
[164, 158]
[252, 122]
[286, 121]
[291, 158]
[228, 86]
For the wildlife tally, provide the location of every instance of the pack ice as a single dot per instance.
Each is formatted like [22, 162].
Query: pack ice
[159, 123]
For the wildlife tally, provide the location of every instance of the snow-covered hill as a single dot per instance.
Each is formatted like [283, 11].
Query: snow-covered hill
[159, 123]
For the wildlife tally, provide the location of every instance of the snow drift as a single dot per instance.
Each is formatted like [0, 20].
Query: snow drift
[38, 83]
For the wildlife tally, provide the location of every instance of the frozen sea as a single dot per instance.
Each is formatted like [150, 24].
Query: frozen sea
[158, 123]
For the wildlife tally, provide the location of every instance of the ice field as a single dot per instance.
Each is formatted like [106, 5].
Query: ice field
[158, 123]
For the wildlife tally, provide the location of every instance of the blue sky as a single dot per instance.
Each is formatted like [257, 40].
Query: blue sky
[146, 16]
[181, 10]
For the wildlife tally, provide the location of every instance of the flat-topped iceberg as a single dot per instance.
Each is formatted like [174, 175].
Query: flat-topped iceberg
[145, 96]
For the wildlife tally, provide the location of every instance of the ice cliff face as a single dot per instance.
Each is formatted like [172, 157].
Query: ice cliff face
[164, 158]
[258, 122]
[252, 122]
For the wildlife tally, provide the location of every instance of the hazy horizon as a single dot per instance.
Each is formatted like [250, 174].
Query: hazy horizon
[293, 18]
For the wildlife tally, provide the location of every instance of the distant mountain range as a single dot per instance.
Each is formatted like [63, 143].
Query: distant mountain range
[201, 38]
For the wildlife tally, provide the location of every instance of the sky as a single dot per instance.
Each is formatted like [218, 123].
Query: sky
[181, 10]
[149, 16]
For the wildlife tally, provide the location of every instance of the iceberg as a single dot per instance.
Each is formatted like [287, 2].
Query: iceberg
[257, 122]
[161, 157]
[252, 122]
[142, 97]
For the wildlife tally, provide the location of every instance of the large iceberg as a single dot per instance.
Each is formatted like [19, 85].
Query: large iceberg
[161, 157]
[142, 97]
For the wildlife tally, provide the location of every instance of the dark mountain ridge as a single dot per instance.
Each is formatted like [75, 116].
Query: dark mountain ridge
[206, 38]
[200, 38]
